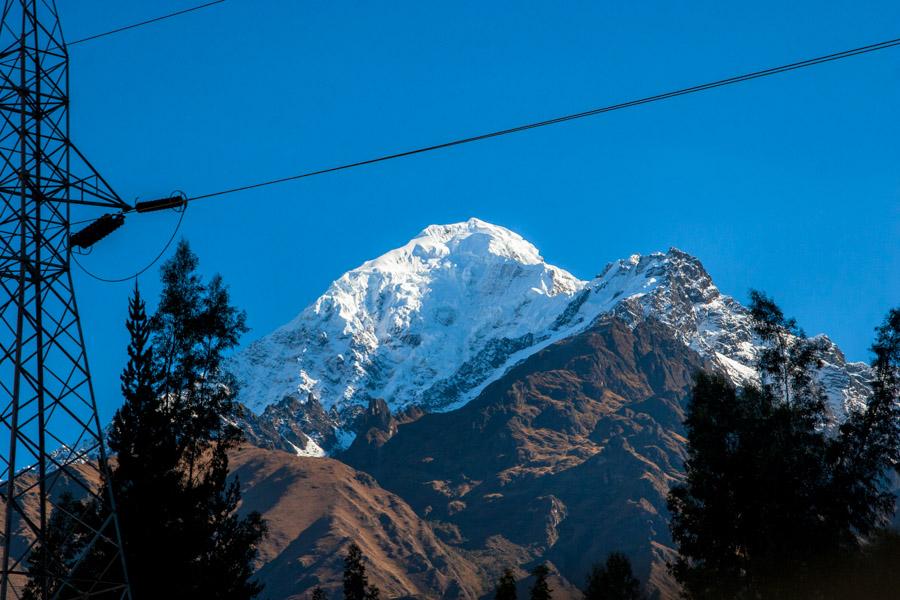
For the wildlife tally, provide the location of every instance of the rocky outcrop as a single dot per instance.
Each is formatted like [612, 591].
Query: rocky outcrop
[301, 427]
[567, 457]
[432, 323]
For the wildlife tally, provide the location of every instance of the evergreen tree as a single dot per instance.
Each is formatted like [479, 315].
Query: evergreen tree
[177, 510]
[774, 496]
[318, 594]
[613, 580]
[506, 587]
[540, 590]
[869, 444]
[51, 561]
[172, 438]
[356, 582]
[147, 479]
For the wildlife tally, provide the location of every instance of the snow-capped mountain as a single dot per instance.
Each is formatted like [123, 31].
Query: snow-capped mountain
[422, 324]
[433, 322]
[683, 296]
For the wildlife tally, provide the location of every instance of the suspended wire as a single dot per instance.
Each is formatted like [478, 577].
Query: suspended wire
[571, 117]
[142, 23]
[144, 269]
[485, 136]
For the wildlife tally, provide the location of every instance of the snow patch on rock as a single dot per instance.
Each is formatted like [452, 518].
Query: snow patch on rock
[435, 321]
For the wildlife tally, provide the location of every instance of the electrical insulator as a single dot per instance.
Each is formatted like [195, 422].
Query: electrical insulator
[176, 201]
[96, 230]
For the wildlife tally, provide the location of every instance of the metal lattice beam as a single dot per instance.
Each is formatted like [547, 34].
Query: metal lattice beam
[50, 436]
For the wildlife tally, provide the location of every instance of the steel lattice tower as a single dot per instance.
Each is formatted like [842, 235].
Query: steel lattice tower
[50, 435]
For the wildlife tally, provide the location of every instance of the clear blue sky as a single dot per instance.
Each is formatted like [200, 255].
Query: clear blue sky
[789, 184]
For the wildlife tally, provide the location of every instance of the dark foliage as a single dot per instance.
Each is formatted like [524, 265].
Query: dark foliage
[506, 586]
[318, 594]
[869, 447]
[774, 497]
[613, 580]
[66, 540]
[872, 574]
[540, 590]
[177, 510]
[356, 582]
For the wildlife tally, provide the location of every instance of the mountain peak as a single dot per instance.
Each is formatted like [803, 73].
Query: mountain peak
[477, 237]
[422, 324]
[433, 322]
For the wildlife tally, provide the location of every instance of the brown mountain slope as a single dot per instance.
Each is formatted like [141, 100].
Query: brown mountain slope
[567, 457]
[77, 478]
[316, 506]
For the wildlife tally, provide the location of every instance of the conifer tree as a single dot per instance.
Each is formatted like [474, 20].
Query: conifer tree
[540, 590]
[506, 586]
[613, 580]
[869, 445]
[356, 582]
[318, 594]
[773, 496]
[177, 510]
[173, 436]
[65, 540]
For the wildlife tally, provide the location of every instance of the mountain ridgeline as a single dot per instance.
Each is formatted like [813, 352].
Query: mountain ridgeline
[485, 410]
[430, 324]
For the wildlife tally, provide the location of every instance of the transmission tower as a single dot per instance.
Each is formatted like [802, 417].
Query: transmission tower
[51, 442]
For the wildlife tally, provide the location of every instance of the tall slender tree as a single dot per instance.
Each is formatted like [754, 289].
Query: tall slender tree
[356, 581]
[506, 586]
[869, 444]
[540, 589]
[177, 509]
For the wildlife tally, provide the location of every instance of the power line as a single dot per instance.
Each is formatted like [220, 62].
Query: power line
[571, 117]
[142, 23]
[142, 270]
[562, 119]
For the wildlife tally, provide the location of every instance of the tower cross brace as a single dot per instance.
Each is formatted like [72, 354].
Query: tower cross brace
[51, 441]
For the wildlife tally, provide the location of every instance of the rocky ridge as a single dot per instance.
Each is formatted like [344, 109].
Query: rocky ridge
[434, 322]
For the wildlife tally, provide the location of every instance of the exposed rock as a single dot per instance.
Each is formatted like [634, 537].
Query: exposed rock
[569, 456]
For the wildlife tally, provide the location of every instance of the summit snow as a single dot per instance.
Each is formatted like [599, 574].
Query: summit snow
[421, 324]
[431, 323]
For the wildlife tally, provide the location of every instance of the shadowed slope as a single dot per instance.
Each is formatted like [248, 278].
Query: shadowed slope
[569, 456]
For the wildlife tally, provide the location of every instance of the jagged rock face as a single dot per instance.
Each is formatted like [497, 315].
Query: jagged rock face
[415, 325]
[432, 323]
[684, 299]
[568, 456]
[302, 428]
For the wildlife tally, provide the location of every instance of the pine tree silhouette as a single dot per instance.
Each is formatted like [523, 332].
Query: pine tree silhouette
[356, 582]
[773, 500]
[540, 590]
[506, 586]
[613, 580]
[170, 439]
[318, 594]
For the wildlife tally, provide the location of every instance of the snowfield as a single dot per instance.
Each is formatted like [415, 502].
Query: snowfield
[433, 322]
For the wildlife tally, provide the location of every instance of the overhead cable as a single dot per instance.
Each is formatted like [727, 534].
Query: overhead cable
[142, 23]
[570, 117]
